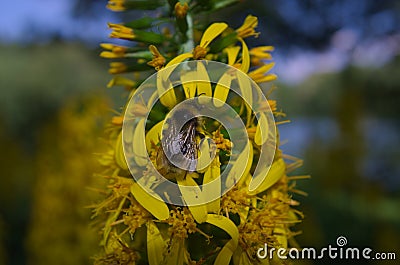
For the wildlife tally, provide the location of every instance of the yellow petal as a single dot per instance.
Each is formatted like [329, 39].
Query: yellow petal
[178, 59]
[225, 224]
[176, 255]
[241, 166]
[213, 190]
[245, 87]
[152, 203]
[154, 134]
[222, 89]
[203, 87]
[232, 54]
[280, 234]
[155, 244]
[165, 89]
[139, 144]
[211, 33]
[119, 153]
[269, 178]
[192, 195]
[225, 255]
[242, 159]
[189, 84]
[245, 57]
[262, 130]
[263, 69]
[205, 156]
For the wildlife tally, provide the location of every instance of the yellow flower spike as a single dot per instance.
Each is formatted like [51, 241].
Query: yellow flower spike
[225, 255]
[155, 244]
[247, 29]
[152, 203]
[262, 130]
[119, 153]
[232, 53]
[139, 146]
[222, 89]
[245, 57]
[276, 171]
[189, 84]
[192, 194]
[213, 31]
[158, 60]
[213, 173]
[153, 135]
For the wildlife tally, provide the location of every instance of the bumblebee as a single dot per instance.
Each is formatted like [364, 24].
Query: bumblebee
[180, 145]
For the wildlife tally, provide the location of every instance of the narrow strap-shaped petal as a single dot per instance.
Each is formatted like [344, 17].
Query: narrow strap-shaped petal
[152, 203]
[139, 144]
[176, 255]
[269, 177]
[261, 135]
[193, 195]
[225, 255]
[232, 54]
[156, 245]
[203, 87]
[213, 189]
[222, 89]
[119, 153]
[241, 166]
[213, 31]
[227, 225]
[189, 84]
[245, 57]
[154, 134]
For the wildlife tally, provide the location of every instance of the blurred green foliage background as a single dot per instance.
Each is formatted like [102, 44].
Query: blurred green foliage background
[345, 126]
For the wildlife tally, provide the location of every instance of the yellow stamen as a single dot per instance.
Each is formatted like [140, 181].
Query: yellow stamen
[199, 52]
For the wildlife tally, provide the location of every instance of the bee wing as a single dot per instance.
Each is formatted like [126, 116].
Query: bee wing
[188, 145]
